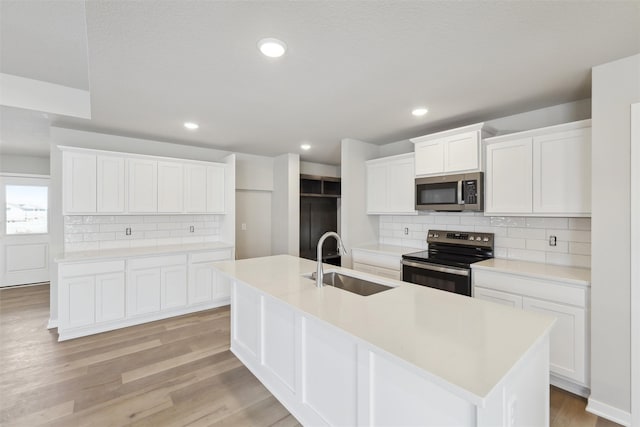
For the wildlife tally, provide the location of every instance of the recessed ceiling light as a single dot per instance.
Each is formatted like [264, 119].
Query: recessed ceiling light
[273, 48]
[420, 111]
[191, 125]
[305, 146]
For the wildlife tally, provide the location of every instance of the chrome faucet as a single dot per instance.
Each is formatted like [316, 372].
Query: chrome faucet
[341, 250]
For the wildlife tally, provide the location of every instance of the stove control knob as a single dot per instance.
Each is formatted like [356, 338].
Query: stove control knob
[436, 235]
[430, 234]
[471, 237]
[486, 239]
[478, 238]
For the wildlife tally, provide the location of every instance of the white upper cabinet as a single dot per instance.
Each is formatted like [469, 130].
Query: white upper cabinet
[170, 187]
[452, 151]
[508, 179]
[79, 182]
[391, 185]
[544, 172]
[195, 188]
[143, 185]
[215, 189]
[562, 181]
[110, 184]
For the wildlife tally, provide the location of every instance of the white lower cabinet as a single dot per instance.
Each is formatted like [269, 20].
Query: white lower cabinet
[326, 376]
[103, 295]
[568, 303]
[380, 264]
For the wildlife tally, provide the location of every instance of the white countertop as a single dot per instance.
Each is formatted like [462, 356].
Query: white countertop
[465, 344]
[387, 249]
[105, 254]
[574, 275]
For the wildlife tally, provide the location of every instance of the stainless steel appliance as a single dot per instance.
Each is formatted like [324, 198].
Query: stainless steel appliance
[446, 264]
[462, 192]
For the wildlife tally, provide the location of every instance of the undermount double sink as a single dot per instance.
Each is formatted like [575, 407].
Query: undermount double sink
[349, 283]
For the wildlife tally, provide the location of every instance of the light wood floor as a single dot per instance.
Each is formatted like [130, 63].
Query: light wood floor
[172, 372]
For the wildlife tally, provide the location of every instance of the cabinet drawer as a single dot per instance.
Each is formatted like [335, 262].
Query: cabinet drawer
[161, 261]
[376, 260]
[91, 268]
[211, 256]
[537, 288]
[498, 297]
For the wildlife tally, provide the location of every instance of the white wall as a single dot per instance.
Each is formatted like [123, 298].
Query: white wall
[285, 216]
[616, 85]
[254, 172]
[12, 163]
[357, 227]
[321, 169]
[253, 211]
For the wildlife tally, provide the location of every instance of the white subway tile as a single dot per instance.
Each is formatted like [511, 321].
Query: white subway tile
[114, 244]
[193, 239]
[113, 227]
[142, 243]
[418, 235]
[182, 218]
[157, 234]
[169, 226]
[81, 228]
[157, 219]
[97, 237]
[395, 226]
[508, 221]
[570, 235]
[526, 255]
[526, 233]
[81, 246]
[210, 224]
[423, 219]
[509, 242]
[123, 236]
[543, 245]
[392, 241]
[578, 248]
[73, 238]
[569, 260]
[179, 233]
[128, 219]
[537, 222]
[447, 219]
[458, 227]
[498, 231]
[143, 227]
[475, 220]
[386, 233]
[169, 241]
[580, 223]
[215, 238]
[73, 219]
[500, 252]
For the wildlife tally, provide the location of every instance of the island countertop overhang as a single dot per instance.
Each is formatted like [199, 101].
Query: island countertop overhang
[465, 343]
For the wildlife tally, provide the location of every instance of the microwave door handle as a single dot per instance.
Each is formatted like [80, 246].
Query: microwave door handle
[460, 196]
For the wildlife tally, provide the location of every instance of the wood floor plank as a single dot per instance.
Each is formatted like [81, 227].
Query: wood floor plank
[173, 372]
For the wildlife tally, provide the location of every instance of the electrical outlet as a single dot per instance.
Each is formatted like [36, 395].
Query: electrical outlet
[552, 240]
[127, 231]
[192, 229]
[243, 226]
[406, 231]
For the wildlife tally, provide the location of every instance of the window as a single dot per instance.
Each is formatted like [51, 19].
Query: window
[26, 209]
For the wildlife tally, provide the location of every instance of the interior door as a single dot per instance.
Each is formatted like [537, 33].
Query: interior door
[24, 246]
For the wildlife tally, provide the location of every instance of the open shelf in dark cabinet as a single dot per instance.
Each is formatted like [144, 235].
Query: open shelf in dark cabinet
[319, 186]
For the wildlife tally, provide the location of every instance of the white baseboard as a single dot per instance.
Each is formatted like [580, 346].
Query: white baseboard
[569, 386]
[53, 323]
[609, 412]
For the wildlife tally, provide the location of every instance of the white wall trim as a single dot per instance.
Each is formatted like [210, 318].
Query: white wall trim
[23, 175]
[43, 96]
[635, 266]
[609, 412]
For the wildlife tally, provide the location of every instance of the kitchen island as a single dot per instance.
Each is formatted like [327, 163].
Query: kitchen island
[410, 355]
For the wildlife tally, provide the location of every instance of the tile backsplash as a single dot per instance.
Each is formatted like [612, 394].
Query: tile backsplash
[91, 232]
[518, 238]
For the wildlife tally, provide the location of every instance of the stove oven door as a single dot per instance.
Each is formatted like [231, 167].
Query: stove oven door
[443, 277]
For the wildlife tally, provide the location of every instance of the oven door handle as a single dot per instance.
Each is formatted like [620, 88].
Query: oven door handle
[438, 268]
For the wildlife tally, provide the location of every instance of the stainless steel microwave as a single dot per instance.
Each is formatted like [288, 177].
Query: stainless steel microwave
[454, 193]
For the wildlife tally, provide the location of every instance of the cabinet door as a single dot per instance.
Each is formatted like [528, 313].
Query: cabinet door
[562, 172]
[568, 350]
[503, 298]
[109, 297]
[143, 185]
[461, 152]
[401, 187]
[508, 178]
[201, 283]
[429, 157]
[79, 182]
[195, 188]
[143, 291]
[110, 184]
[215, 189]
[222, 289]
[170, 187]
[174, 287]
[77, 296]
[377, 188]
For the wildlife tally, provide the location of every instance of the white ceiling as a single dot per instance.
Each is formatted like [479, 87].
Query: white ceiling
[353, 69]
